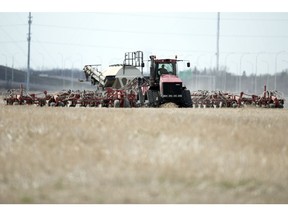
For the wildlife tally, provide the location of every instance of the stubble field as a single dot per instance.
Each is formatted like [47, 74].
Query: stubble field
[165, 155]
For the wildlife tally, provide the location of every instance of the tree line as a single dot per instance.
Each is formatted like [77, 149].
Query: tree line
[194, 79]
[210, 79]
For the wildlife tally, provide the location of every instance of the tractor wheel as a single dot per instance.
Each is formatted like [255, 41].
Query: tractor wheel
[153, 98]
[186, 98]
[150, 98]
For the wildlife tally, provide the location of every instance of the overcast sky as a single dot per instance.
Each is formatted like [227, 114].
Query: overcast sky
[73, 39]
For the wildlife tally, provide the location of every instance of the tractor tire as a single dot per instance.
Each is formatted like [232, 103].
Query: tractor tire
[153, 98]
[150, 98]
[186, 98]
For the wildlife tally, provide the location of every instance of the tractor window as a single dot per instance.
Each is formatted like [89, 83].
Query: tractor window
[166, 68]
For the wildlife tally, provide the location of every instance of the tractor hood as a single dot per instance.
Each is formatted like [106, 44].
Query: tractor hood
[168, 78]
[170, 86]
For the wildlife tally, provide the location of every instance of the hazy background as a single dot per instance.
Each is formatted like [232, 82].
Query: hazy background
[256, 42]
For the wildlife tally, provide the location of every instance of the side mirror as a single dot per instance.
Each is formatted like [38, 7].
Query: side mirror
[142, 64]
[188, 64]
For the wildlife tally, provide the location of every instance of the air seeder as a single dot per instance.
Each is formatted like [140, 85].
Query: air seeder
[124, 85]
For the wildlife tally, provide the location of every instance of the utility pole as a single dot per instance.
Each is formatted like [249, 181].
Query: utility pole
[218, 37]
[28, 59]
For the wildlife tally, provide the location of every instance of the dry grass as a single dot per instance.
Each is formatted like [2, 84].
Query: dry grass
[100, 155]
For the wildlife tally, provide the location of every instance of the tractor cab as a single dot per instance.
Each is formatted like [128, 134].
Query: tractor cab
[161, 67]
[167, 67]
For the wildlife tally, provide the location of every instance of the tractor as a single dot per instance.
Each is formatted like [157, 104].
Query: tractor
[164, 84]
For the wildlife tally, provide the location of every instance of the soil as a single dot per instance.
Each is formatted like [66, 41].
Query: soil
[143, 155]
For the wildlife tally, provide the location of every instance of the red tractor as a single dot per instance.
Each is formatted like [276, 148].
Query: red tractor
[164, 84]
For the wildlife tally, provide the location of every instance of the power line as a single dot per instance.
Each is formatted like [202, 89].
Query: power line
[162, 33]
[107, 30]
[12, 42]
[12, 25]
[103, 46]
[197, 18]
[12, 39]
[51, 57]
[256, 36]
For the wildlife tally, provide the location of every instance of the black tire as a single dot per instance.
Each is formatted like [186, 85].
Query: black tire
[186, 98]
[152, 98]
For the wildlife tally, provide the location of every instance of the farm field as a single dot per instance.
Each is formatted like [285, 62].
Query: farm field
[165, 155]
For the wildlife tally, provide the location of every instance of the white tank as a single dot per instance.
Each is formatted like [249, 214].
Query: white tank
[118, 71]
[117, 76]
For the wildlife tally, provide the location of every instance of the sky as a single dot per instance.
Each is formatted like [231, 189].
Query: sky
[256, 42]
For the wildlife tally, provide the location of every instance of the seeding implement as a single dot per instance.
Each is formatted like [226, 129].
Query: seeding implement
[218, 99]
[124, 85]
[122, 98]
